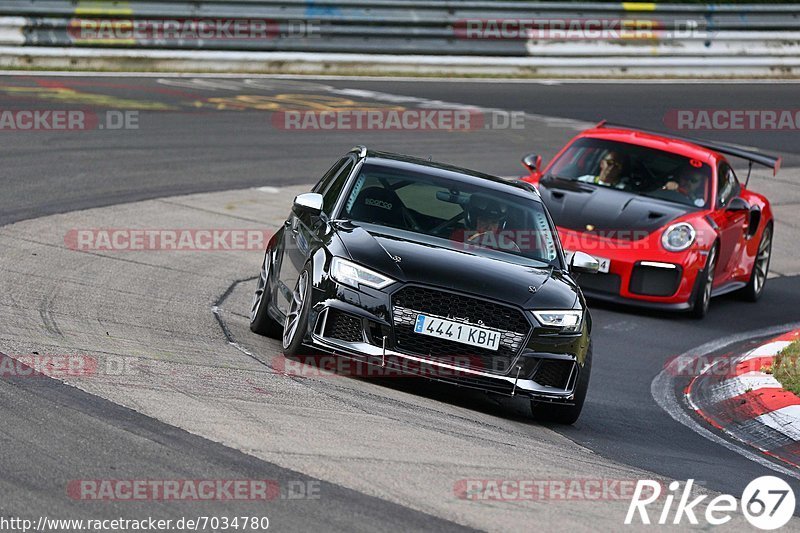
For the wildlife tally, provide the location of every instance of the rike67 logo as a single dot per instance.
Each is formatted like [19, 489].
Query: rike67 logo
[767, 503]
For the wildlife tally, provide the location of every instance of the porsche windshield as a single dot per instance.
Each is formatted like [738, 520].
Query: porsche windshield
[470, 217]
[636, 169]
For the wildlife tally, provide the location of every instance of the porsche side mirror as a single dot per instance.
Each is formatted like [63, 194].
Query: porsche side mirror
[738, 204]
[309, 203]
[583, 263]
[533, 162]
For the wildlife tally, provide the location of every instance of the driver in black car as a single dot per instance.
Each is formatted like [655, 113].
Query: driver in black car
[487, 217]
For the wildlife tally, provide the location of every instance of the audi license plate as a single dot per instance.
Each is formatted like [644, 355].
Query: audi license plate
[457, 332]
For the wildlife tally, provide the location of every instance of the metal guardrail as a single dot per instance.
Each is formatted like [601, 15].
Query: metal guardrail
[431, 28]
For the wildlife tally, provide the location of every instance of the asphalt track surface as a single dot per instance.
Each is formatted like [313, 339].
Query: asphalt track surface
[183, 147]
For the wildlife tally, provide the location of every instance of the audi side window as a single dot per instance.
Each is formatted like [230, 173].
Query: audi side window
[325, 182]
[330, 196]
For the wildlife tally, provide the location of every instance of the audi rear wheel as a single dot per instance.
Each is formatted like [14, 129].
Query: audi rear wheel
[260, 321]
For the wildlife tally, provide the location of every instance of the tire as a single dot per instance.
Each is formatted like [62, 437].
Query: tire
[566, 414]
[702, 298]
[297, 318]
[260, 321]
[758, 277]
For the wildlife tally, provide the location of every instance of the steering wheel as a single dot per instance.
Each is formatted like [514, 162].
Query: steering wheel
[443, 225]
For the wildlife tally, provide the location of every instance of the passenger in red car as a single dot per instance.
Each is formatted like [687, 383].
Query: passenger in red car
[610, 172]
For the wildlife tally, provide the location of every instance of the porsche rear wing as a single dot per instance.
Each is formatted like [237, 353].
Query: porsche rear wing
[728, 149]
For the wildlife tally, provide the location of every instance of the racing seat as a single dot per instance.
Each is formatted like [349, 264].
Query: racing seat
[378, 206]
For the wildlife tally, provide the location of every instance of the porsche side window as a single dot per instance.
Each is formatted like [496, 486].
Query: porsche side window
[727, 185]
[330, 196]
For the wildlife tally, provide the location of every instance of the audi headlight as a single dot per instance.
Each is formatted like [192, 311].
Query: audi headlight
[568, 321]
[350, 273]
[678, 237]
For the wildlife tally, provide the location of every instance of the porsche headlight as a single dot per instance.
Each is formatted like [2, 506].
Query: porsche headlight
[568, 321]
[350, 273]
[678, 237]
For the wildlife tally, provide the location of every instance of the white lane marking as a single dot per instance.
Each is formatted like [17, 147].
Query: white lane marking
[739, 385]
[380, 96]
[427, 103]
[269, 190]
[663, 391]
[767, 350]
[785, 420]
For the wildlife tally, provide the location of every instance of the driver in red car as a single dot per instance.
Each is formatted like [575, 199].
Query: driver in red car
[691, 184]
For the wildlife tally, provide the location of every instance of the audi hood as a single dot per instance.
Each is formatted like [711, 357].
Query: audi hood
[427, 261]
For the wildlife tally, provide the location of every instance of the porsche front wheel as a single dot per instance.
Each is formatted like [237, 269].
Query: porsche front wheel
[758, 277]
[702, 297]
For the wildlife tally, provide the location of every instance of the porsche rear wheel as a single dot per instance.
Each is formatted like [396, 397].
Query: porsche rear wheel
[758, 277]
[566, 414]
[702, 297]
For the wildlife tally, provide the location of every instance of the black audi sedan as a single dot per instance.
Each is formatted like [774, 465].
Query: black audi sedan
[440, 271]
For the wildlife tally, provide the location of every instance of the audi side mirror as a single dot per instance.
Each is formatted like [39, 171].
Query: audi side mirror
[309, 203]
[583, 263]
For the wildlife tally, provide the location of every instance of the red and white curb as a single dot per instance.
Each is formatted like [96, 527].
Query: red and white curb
[735, 394]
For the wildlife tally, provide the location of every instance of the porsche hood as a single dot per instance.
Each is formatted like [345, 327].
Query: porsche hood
[608, 212]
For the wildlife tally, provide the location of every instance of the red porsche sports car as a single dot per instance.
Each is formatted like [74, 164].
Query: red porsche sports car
[666, 217]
